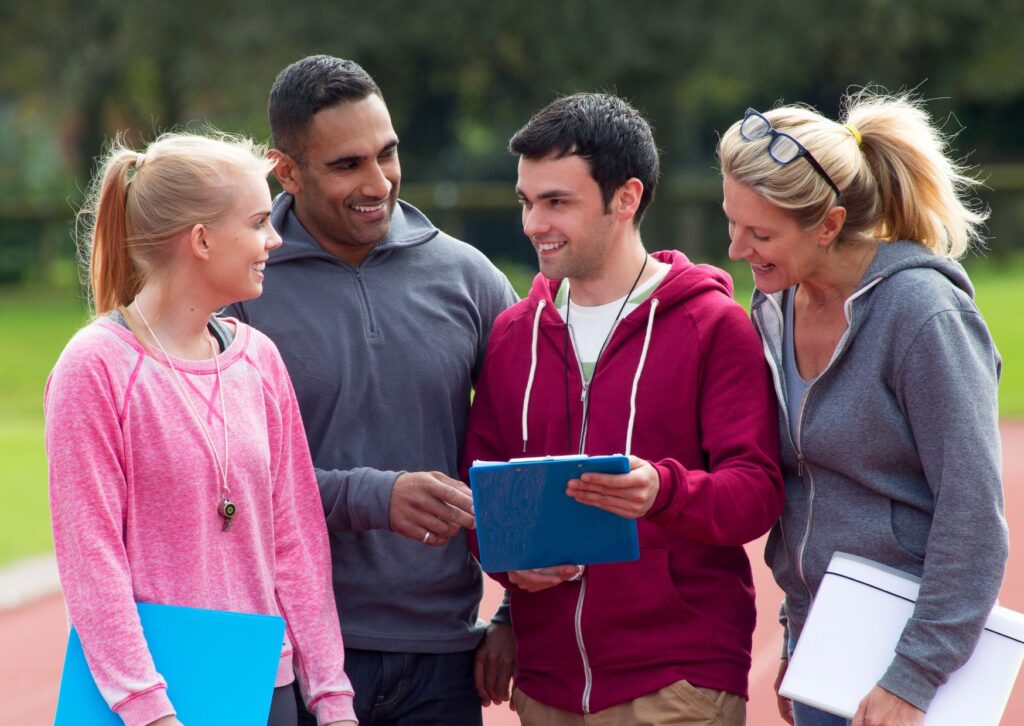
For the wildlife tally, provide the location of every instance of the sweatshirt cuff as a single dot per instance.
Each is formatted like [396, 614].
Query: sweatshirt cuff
[145, 707]
[666, 487]
[909, 681]
[503, 615]
[331, 707]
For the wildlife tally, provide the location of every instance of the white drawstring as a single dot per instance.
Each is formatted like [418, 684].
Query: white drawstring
[533, 369]
[636, 378]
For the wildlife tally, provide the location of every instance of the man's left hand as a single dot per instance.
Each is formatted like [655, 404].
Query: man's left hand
[629, 495]
[494, 665]
[881, 708]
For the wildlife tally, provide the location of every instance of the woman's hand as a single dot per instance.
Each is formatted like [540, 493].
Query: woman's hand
[166, 721]
[881, 708]
[785, 705]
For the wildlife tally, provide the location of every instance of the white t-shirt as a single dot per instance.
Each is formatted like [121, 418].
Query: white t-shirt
[589, 327]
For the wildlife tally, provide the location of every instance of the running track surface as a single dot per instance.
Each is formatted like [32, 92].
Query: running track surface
[32, 637]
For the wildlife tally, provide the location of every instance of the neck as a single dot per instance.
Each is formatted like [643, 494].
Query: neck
[177, 321]
[839, 275]
[616, 279]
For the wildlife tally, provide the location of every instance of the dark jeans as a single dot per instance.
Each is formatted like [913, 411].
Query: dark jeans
[396, 689]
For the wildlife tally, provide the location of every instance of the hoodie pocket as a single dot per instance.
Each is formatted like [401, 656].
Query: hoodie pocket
[634, 610]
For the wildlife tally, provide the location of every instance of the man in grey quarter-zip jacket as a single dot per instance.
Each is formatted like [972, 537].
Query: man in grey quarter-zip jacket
[382, 321]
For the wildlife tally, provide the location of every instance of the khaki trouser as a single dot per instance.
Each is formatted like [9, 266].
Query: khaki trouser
[678, 704]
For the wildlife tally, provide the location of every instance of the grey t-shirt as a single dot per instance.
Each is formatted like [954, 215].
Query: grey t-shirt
[796, 387]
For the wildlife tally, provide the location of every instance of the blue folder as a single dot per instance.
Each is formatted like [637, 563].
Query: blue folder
[220, 667]
[525, 519]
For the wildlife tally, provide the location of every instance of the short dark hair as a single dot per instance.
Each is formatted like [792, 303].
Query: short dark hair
[609, 134]
[305, 87]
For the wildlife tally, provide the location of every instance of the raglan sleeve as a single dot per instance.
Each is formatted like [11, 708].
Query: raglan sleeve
[948, 387]
[88, 490]
[303, 560]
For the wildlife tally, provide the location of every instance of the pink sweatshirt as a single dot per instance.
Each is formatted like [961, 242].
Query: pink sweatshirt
[134, 491]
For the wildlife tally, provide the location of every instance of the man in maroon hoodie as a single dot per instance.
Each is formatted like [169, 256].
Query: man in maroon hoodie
[620, 351]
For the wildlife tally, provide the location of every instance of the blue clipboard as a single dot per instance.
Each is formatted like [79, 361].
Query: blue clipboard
[220, 667]
[525, 519]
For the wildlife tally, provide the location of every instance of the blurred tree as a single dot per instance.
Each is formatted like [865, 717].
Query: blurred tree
[461, 76]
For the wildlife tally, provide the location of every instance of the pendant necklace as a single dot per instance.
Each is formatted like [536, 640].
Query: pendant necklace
[226, 508]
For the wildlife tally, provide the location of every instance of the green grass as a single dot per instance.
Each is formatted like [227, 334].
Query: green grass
[999, 292]
[34, 327]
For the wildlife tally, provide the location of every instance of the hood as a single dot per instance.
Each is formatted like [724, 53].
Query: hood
[892, 258]
[683, 281]
[409, 228]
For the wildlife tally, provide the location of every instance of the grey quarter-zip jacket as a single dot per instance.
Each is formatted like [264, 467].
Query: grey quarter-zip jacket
[897, 458]
[383, 357]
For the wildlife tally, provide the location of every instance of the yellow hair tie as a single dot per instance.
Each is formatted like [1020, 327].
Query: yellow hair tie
[854, 132]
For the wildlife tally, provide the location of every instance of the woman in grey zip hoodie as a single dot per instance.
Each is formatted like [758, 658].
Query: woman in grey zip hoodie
[885, 372]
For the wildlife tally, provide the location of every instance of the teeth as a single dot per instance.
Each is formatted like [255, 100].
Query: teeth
[374, 208]
[548, 246]
[260, 266]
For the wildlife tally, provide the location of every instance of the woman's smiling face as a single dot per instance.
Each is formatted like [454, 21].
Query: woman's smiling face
[780, 253]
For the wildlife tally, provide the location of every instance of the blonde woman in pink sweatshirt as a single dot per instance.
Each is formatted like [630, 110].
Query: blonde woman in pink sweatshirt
[179, 470]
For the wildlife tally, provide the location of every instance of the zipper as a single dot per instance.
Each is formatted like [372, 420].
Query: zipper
[366, 300]
[587, 675]
[585, 385]
[802, 466]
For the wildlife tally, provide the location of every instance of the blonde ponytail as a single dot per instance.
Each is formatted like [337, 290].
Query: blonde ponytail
[922, 191]
[114, 278]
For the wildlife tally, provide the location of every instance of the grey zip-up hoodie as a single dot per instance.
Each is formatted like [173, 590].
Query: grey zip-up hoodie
[382, 357]
[897, 458]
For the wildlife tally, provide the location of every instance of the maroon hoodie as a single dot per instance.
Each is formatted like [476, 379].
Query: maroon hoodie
[704, 415]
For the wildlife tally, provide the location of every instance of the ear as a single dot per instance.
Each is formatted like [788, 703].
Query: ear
[831, 226]
[287, 171]
[198, 241]
[626, 200]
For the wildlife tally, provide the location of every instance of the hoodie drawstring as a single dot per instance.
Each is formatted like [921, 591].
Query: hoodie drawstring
[636, 378]
[533, 370]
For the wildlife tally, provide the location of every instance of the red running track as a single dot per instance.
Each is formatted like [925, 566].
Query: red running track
[32, 637]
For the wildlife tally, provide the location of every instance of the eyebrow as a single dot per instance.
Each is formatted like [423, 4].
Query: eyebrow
[550, 194]
[260, 215]
[345, 160]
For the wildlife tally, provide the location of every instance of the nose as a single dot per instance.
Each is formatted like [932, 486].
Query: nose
[738, 248]
[273, 239]
[376, 184]
[533, 221]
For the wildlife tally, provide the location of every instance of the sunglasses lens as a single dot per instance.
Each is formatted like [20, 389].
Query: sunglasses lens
[754, 127]
[784, 149]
